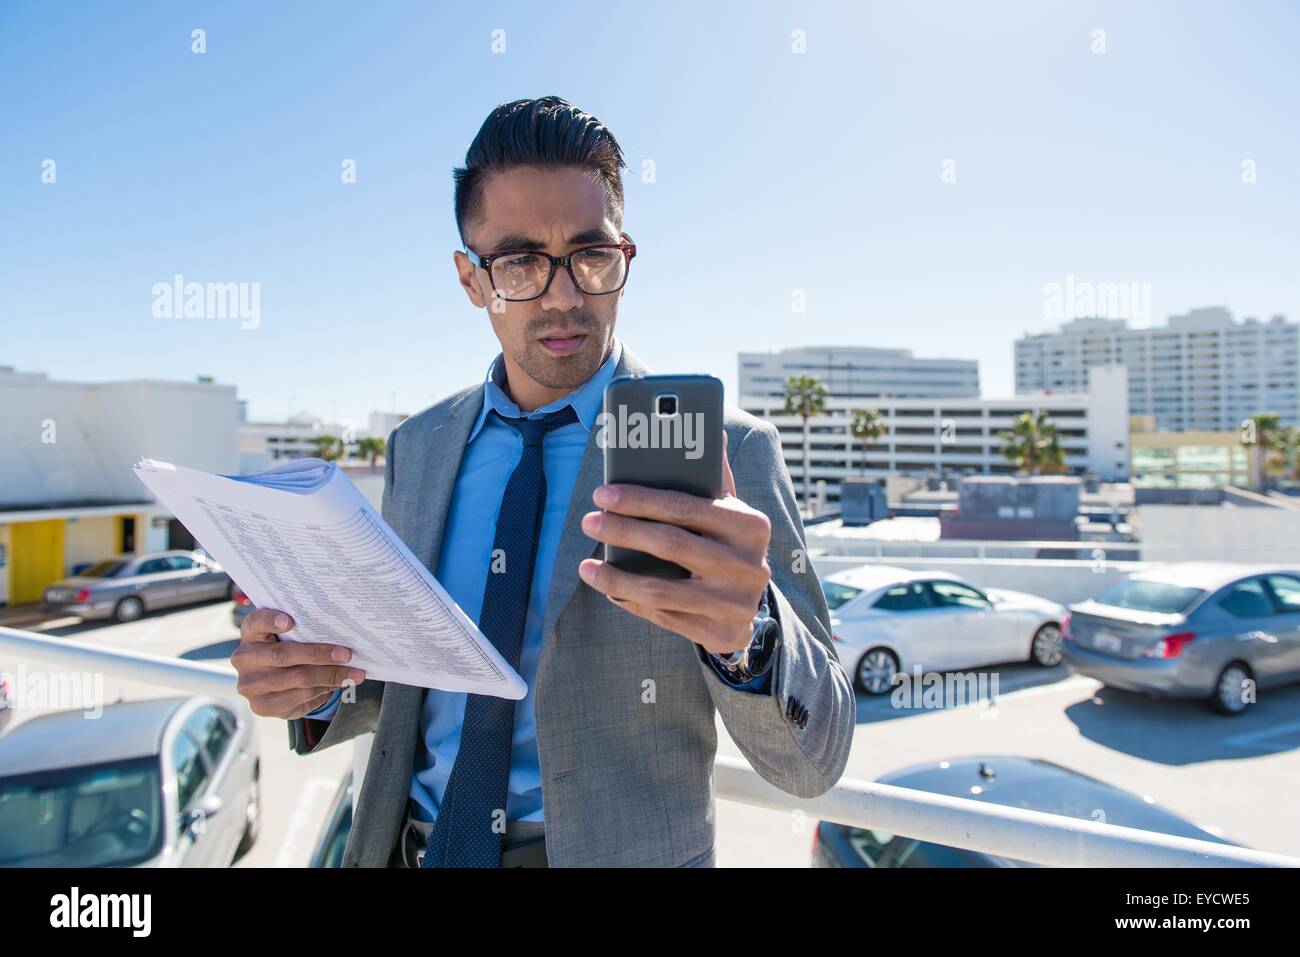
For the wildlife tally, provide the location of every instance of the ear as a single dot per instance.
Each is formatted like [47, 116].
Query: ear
[467, 274]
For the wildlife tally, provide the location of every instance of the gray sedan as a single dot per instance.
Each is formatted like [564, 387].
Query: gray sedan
[1216, 631]
[126, 587]
[170, 782]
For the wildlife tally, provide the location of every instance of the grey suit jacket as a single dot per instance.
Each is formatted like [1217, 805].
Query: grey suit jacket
[625, 709]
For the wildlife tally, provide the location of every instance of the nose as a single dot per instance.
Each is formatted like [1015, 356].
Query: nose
[563, 294]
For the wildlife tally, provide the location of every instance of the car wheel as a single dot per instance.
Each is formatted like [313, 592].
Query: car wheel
[876, 670]
[254, 814]
[129, 608]
[1228, 697]
[1046, 647]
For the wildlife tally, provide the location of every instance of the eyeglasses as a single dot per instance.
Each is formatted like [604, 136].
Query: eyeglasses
[526, 274]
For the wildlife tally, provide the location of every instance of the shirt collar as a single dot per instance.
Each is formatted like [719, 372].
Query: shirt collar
[586, 400]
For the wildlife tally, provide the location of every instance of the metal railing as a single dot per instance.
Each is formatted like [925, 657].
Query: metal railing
[1008, 832]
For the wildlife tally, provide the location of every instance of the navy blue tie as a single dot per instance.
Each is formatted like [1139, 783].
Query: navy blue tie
[471, 817]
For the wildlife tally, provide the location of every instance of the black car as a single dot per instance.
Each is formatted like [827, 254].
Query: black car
[1029, 783]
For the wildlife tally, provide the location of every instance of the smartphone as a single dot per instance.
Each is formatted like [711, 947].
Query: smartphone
[664, 431]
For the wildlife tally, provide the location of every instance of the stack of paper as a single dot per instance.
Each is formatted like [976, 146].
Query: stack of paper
[301, 538]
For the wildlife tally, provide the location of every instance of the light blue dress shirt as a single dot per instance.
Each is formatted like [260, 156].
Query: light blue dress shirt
[492, 451]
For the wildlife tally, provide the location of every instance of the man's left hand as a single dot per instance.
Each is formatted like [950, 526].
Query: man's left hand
[722, 542]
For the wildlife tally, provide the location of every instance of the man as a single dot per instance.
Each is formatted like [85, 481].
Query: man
[608, 760]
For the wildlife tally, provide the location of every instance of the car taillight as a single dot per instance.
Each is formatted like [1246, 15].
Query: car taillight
[1170, 646]
[241, 599]
[835, 637]
[1065, 627]
[83, 596]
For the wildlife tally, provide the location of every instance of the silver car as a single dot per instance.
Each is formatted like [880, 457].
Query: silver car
[126, 587]
[6, 700]
[169, 782]
[1216, 631]
[887, 620]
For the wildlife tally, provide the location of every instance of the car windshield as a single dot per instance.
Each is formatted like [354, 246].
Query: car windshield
[837, 594]
[99, 816]
[1160, 597]
[107, 569]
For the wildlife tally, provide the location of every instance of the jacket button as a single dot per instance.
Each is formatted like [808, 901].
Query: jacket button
[796, 712]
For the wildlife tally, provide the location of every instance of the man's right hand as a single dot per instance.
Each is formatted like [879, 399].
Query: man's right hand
[287, 679]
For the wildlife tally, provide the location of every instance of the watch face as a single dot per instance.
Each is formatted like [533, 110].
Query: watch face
[768, 631]
[765, 641]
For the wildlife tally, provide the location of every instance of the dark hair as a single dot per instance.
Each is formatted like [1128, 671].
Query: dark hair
[547, 133]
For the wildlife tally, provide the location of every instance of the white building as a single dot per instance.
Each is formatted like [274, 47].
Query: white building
[859, 372]
[68, 495]
[383, 423]
[955, 435]
[263, 445]
[1201, 371]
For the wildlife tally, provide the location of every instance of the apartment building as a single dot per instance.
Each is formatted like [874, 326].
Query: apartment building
[1202, 371]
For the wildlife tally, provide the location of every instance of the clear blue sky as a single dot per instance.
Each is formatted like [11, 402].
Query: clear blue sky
[775, 172]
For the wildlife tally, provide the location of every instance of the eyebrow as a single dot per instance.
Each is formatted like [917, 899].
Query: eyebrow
[519, 241]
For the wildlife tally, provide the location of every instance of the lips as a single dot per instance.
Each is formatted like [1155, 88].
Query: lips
[564, 344]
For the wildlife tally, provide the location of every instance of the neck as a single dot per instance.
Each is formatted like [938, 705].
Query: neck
[529, 394]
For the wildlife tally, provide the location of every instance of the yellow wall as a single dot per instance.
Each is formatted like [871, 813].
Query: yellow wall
[4, 569]
[91, 539]
[35, 558]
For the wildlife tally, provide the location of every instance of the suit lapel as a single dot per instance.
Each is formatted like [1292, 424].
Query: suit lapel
[575, 545]
[437, 456]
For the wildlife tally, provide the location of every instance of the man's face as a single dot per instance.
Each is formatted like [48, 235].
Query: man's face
[561, 338]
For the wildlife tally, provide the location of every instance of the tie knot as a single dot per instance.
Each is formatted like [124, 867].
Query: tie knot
[534, 430]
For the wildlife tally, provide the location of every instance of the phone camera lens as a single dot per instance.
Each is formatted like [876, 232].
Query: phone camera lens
[666, 404]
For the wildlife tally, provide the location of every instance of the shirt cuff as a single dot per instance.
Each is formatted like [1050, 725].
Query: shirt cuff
[326, 711]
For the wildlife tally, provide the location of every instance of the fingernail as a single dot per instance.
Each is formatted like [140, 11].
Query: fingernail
[587, 572]
[606, 496]
[592, 521]
[282, 621]
[357, 676]
[340, 655]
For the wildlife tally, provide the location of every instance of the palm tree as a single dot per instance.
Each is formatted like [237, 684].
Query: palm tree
[1291, 446]
[1269, 438]
[328, 447]
[1033, 444]
[805, 396]
[868, 425]
[371, 446]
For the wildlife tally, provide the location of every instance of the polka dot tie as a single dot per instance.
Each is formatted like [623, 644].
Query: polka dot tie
[472, 816]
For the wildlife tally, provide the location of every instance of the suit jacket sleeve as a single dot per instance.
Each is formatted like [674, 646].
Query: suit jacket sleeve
[798, 736]
[307, 736]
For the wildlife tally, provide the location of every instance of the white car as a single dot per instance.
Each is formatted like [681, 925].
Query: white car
[886, 620]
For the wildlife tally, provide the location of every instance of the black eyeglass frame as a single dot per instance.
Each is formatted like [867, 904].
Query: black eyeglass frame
[486, 261]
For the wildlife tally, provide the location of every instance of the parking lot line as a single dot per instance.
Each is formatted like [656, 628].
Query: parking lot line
[306, 816]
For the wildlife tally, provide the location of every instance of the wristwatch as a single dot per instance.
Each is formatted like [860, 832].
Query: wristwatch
[756, 658]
